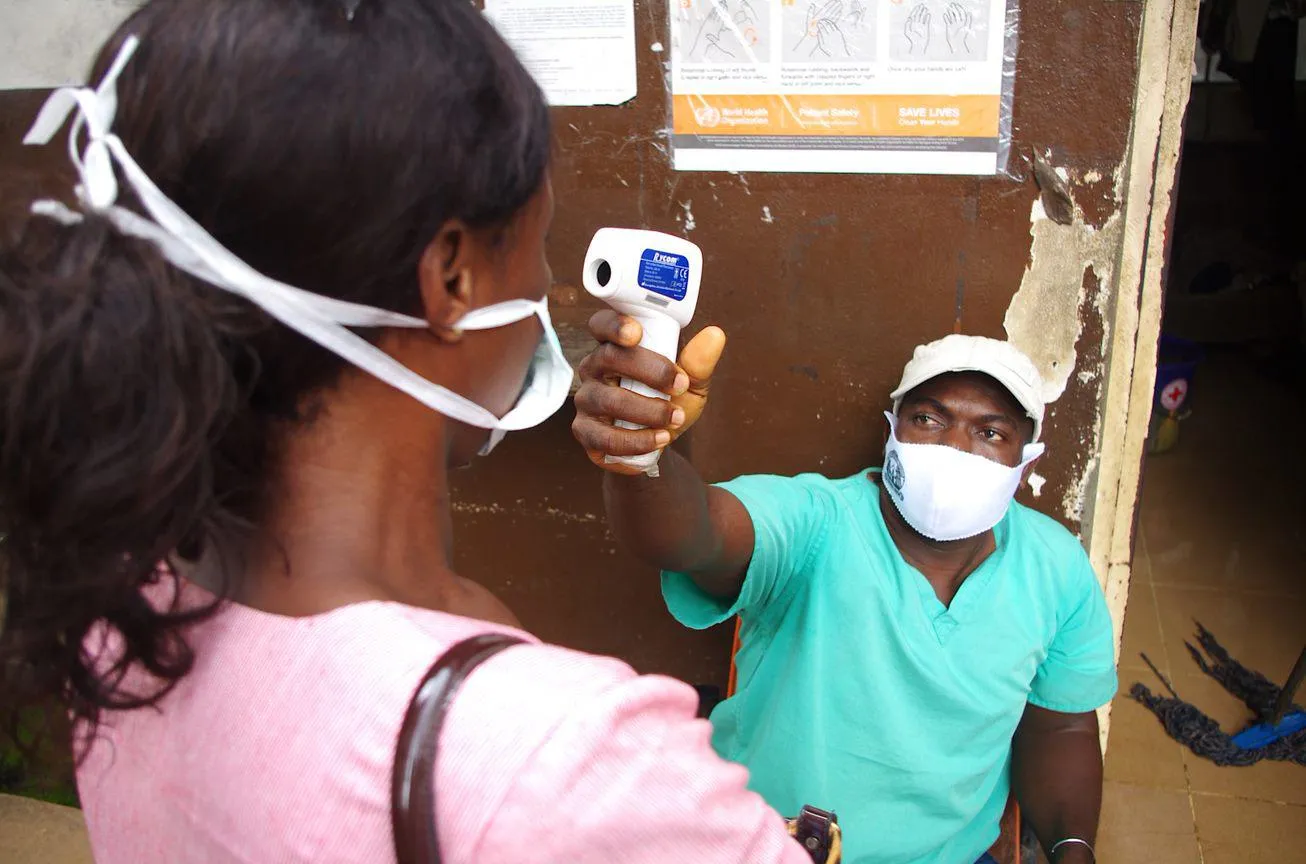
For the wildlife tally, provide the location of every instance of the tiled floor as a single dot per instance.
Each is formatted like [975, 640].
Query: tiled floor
[1222, 539]
[33, 832]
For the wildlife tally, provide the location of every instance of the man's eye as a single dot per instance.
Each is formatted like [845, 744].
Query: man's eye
[992, 435]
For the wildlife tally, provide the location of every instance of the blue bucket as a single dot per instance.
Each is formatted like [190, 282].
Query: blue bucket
[1177, 361]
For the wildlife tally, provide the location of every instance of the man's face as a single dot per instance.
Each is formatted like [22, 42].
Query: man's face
[968, 411]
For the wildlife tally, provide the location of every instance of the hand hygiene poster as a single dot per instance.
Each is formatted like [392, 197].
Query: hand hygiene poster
[842, 86]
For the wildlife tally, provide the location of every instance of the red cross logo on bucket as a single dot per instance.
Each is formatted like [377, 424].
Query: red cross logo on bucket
[1174, 394]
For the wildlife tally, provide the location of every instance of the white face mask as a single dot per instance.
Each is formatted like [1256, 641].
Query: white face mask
[946, 493]
[547, 382]
[323, 319]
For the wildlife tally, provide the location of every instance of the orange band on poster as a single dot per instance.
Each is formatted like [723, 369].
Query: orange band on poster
[949, 116]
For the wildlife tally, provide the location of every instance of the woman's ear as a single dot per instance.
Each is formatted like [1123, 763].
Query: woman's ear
[446, 278]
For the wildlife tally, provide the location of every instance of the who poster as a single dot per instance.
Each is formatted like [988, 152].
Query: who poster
[843, 86]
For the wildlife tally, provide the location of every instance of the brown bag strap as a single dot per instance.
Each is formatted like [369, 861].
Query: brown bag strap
[412, 791]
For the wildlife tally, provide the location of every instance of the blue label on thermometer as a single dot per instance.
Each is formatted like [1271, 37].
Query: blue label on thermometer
[664, 273]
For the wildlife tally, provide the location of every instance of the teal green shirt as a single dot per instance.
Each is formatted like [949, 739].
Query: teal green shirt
[860, 692]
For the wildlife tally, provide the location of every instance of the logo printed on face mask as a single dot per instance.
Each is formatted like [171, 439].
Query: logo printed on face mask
[894, 474]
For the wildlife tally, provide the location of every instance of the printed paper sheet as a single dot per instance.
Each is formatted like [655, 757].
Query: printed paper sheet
[582, 52]
[842, 86]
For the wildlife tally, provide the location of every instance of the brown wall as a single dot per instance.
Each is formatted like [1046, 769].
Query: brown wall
[823, 306]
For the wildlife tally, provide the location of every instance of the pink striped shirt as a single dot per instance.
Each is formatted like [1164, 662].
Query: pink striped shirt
[279, 747]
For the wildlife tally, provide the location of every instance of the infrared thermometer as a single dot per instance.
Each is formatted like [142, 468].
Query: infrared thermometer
[654, 279]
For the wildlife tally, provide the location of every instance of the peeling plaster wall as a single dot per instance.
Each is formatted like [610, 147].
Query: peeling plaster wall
[1043, 316]
[1069, 266]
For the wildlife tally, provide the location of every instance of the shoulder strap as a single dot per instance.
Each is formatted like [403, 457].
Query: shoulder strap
[412, 792]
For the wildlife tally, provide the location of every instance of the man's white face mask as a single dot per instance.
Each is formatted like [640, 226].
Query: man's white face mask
[325, 320]
[946, 493]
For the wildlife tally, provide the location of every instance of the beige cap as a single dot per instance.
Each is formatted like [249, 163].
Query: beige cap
[1000, 360]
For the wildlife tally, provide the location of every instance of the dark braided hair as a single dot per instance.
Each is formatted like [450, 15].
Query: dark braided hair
[138, 406]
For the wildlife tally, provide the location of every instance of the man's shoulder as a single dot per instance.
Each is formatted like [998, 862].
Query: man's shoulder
[801, 490]
[1041, 534]
[1048, 554]
[777, 487]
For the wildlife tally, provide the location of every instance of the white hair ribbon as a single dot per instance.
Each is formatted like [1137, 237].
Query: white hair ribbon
[324, 320]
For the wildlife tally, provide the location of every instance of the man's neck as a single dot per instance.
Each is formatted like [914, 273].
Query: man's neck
[945, 564]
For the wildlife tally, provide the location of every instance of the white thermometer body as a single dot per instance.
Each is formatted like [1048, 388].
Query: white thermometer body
[653, 278]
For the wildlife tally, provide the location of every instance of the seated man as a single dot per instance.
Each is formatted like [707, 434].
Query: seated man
[915, 645]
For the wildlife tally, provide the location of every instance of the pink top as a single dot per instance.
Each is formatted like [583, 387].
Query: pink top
[279, 746]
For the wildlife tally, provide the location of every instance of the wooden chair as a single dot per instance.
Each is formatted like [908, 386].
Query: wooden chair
[1007, 848]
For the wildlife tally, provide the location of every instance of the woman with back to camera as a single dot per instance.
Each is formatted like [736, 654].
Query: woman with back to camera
[171, 393]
